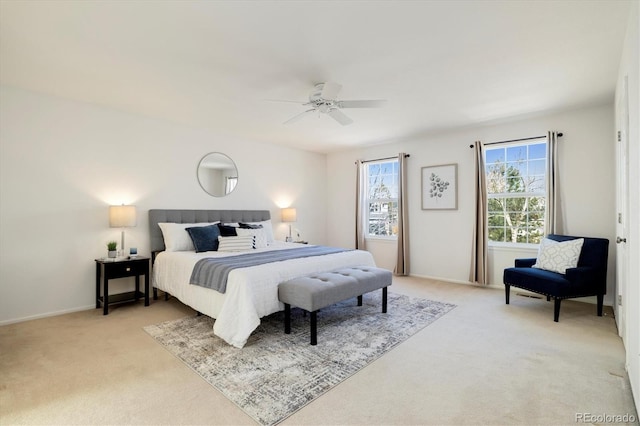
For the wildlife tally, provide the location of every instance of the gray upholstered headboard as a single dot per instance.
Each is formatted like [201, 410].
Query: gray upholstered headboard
[195, 216]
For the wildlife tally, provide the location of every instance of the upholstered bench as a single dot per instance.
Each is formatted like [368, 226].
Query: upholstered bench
[314, 292]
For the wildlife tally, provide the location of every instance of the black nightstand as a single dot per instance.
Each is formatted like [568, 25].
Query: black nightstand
[107, 269]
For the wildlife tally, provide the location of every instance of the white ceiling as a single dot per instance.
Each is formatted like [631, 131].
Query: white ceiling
[215, 64]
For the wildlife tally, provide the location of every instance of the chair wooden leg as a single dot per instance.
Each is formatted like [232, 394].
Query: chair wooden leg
[600, 303]
[556, 309]
[507, 287]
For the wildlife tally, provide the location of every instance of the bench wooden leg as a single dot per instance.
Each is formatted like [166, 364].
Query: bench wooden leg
[287, 318]
[384, 300]
[360, 300]
[507, 287]
[314, 328]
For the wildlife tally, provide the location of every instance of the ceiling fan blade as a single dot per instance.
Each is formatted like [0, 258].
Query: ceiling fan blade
[330, 91]
[298, 116]
[340, 117]
[373, 103]
[284, 100]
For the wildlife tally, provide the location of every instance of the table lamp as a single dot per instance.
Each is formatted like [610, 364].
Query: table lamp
[288, 216]
[122, 217]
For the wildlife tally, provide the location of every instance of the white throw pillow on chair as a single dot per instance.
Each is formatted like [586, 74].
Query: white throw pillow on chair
[558, 256]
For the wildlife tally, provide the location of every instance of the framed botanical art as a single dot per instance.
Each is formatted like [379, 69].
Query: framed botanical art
[440, 187]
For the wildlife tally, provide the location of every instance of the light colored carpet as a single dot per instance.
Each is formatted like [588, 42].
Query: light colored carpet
[277, 374]
[484, 362]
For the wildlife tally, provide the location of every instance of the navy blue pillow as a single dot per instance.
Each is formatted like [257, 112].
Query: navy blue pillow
[249, 226]
[227, 231]
[205, 238]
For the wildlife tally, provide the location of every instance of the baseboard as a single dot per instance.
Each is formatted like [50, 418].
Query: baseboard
[449, 280]
[591, 299]
[46, 315]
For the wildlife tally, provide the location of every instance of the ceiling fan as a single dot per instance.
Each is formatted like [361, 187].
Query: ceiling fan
[323, 100]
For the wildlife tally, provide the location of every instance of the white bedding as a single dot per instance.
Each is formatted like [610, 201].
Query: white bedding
[251, 292]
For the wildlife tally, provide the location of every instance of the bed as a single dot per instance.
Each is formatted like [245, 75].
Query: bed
[251, 292]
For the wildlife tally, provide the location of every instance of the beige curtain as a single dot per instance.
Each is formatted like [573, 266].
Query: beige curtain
[360, 205]
[553, 213]
[402, 261]
[479, 259]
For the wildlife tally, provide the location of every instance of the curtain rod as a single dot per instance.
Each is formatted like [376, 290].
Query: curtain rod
[386, 158]
[517, 140]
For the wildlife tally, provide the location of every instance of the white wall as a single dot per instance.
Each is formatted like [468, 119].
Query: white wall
[441, 240]
[630, 68]
[62, 163]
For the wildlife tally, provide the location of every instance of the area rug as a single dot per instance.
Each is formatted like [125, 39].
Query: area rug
[276, 374]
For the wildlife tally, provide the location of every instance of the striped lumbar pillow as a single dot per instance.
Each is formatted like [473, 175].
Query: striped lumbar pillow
[240, 243]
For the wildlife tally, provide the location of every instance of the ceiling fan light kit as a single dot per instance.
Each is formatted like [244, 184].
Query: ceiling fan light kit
[323, 100]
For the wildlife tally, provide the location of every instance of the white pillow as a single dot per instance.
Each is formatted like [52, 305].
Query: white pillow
[268, 229]
[558, 256]
[244, 243]
[259, 234]
[176, 238]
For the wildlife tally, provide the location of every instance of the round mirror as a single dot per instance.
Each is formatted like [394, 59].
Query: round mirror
[217, 174]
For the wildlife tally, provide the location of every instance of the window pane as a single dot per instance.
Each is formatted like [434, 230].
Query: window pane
[515, 204]
[494, 156]
[538, 150]
[535, 217]
[508, 235]
[496, 205]
[496, 220]
[535, 235]
[496, 186]
[537, 204]
[496, 234]
[521, 237]
[537, 167]
[515, 184]
[516, 153]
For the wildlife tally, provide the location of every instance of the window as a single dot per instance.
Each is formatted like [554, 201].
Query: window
[230, 184]
[381, 189]
[516, 191]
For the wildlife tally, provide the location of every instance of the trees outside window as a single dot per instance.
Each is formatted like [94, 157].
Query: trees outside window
[516, 192]
[382, 198]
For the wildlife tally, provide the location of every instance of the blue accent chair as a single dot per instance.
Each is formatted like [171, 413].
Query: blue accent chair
[588, 279]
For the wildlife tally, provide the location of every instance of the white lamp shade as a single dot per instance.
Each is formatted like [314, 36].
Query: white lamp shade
[122, 216]
[289, 214]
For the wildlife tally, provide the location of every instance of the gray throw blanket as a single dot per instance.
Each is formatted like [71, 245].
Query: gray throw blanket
[213, 272]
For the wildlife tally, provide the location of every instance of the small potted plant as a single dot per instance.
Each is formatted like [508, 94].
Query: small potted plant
[111, 246]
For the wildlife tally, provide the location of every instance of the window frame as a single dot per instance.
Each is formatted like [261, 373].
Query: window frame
[368, 201]
[542, 193]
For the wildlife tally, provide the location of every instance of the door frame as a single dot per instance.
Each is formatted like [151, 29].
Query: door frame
[622, 210]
